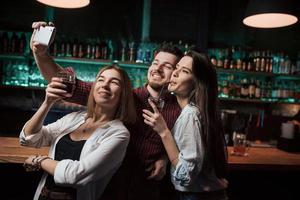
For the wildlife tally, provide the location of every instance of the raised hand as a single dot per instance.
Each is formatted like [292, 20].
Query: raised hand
[155, 119]
[56, 90]
[37, 48]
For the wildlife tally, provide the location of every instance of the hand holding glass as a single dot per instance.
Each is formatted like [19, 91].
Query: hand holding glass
[159, 102]
[68, 79]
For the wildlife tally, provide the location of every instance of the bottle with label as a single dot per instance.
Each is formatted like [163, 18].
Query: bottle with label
[252, 88]
[257, 90]
[244, 88]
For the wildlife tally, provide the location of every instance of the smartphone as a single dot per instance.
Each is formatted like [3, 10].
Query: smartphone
[43, 35]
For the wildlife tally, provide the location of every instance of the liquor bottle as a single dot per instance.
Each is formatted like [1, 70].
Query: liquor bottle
[80, 50]
[298, 64]
[14, 40]
[220, 58]
[250, 62]
[238, 58]
[257, 90]
[22, 43]
[257, 61]
[68, 49]
[131, 52]
[227, 59]
[281, 66]
[252, 88]
[5, 42]
[75, 48]
[225, 88]
[244, 88]
[62, 49]
[88, 49]
[263, 62]
[53, 49]
[97, 49]
[110, 50]
[213, 58]
[287, 65]
[104, 50]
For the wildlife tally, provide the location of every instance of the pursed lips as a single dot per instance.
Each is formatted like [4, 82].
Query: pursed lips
[104, 93]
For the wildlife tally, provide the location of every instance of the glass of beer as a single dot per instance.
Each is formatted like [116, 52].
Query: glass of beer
[240, 144]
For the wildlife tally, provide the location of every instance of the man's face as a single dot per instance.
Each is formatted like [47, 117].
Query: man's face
[160, 71]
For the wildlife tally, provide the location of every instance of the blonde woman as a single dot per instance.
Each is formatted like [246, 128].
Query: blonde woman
[86, 147]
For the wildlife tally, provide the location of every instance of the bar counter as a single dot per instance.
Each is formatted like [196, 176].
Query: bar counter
[259, 158]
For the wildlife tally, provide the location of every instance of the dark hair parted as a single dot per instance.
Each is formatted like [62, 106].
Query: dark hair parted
[205, 97]
[126, 111]
[172, 49]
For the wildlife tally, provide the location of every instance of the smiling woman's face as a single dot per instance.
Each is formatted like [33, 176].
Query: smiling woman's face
[108, 88]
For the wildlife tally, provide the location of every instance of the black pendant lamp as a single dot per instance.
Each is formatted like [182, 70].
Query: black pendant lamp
[270, 13]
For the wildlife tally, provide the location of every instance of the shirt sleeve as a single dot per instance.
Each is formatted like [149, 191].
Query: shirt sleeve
[105, 158]
[191, 151]
[81, 91]
[46, 134]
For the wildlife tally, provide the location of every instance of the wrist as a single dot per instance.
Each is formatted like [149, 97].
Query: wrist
[35, 164]
[41, 55]
[164, 134]
[41, 159]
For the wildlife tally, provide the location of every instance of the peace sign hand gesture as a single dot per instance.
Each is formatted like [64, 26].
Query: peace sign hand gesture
[155, 119]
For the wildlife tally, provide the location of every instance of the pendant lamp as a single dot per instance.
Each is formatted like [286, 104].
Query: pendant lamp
[270, 13]
[66, 3]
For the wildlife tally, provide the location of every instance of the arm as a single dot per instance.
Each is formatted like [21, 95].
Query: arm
[44, 61]
[49, 68]
[186, 154]
[157, 122]
[54, 92]
[102, 159]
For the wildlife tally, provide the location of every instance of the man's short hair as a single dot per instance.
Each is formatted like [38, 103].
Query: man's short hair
[172, 49]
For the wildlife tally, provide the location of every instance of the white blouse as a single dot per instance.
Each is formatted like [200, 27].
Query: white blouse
[101, 155]
[188, 175]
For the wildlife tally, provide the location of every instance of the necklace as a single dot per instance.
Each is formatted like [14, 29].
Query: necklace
[87, 127]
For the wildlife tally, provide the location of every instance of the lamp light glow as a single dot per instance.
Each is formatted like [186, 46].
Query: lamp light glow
[270, 13]
[66, 3]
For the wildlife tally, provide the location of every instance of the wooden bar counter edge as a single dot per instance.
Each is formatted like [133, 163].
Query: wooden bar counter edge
[258, 159]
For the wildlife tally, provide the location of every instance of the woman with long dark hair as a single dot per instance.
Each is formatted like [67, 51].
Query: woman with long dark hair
[195, 146]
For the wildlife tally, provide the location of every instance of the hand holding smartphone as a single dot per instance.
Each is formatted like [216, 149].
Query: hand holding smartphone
[43, 35]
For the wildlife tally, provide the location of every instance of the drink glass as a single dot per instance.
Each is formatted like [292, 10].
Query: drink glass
[68, 79]
[240, 144]
[159, 102]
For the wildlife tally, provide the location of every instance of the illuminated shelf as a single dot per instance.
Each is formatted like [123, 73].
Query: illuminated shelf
[262, 100]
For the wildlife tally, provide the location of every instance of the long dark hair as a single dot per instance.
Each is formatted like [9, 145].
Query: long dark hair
[204, 96]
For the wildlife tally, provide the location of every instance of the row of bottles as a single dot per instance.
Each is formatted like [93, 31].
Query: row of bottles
[21, 73]
[127, 50]
[95, 48]
[90, 48]
[12, 42]
[230, 86]
[257, 61]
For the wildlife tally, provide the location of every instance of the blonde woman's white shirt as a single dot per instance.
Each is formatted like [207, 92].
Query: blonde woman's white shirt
[101, 155]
